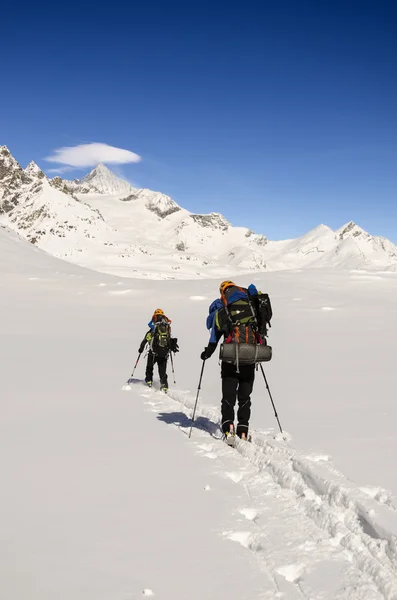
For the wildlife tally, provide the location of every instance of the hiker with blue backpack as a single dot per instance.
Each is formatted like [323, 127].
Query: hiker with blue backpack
[161, 344]
[241, 316]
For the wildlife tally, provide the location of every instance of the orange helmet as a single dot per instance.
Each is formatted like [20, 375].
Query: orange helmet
[158, 311]
[224, 285]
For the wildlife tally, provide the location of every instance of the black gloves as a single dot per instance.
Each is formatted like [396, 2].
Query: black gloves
[142, 347]
[174, 345]
[208, 351]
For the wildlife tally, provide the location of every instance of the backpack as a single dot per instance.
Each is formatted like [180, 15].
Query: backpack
[243, 320]
[264, 313]
[160, 342]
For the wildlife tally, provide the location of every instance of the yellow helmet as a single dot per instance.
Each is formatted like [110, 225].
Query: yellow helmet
[158, 311]
[224, 285]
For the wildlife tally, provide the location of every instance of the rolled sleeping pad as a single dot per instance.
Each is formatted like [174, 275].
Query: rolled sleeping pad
[244, 354]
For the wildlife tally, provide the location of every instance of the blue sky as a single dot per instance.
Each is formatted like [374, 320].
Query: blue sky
[281, 115]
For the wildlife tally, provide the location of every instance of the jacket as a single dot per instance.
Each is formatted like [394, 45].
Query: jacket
[146, 340]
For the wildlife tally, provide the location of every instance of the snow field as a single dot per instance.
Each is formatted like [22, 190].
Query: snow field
[103, 494]
[312, 531]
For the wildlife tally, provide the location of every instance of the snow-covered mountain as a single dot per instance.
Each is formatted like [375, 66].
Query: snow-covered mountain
[104, 223]
[43, 214]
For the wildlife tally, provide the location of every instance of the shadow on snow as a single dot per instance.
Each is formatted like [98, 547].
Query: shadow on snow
[180, 419]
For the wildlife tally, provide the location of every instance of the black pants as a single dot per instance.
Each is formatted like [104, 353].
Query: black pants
[161, 361]
[236, 386]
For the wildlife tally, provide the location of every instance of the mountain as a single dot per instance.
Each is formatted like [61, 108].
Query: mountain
[102, 180]
[45, 215]
[104, 223]
[372, 247]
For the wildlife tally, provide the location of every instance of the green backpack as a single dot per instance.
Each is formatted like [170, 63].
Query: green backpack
[160, 343]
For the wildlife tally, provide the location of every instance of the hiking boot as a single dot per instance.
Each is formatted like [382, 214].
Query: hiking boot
[164, 388]
[230, 436]
[242, 432]
[149, 383]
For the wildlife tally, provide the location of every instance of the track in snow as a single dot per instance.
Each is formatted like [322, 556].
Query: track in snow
[313, 532]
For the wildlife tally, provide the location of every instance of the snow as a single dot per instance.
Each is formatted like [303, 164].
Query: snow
[146, 234]
[158, 203]
[105, 496]
[33, 170]
[104, 181]
[55, 221]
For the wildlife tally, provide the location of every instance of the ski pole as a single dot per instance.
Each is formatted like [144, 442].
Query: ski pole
[137, 361]
[195, 404]
[271, 399]
[172, 366]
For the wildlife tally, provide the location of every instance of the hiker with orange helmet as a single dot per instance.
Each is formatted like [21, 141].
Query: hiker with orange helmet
[241, 316]
[160, 345]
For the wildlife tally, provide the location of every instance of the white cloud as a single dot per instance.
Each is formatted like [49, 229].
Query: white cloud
[89, 155]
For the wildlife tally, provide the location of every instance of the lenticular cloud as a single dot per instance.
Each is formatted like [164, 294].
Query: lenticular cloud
[89, 155]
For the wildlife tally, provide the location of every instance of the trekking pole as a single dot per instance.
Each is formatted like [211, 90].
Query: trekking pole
[195, 404]
[271, 399]
[137, 361]
[172, 366]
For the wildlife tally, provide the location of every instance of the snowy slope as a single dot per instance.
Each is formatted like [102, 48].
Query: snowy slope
[106, 497]
[147, 234]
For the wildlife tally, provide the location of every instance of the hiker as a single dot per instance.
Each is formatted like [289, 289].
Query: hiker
[241, 316]
[160, 345]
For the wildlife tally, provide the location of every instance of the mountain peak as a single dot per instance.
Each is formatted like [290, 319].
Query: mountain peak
[102, 180]
[349, 225]
[6, 158]
[9, 166]
[322, 227]
[350, 230]
[101, 167]
[34, 170]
